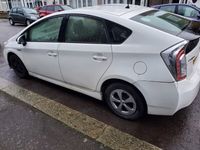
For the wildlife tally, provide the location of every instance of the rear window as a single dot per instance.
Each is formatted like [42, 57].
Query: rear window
[163, 21]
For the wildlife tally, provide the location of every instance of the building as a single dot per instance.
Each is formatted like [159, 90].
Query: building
[6, 5]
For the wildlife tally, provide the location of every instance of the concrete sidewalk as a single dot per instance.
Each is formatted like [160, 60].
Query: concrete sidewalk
[23, 127]
[97, 130]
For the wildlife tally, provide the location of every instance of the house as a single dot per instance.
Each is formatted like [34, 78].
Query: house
[6, 5]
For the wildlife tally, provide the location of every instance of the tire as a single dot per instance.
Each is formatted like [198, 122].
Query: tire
[11, 22]
[18, 66]
[125, 101]
[28, 22]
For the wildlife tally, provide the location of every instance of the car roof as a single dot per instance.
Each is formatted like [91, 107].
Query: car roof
[111, 9]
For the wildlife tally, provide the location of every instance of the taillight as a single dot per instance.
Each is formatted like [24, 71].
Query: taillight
[175, 60]
[181, 67]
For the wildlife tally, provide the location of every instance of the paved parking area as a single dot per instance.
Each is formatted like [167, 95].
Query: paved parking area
[181, 131]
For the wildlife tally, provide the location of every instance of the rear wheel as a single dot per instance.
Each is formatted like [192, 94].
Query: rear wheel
[125, 101]
[11, 22]
[18, 66]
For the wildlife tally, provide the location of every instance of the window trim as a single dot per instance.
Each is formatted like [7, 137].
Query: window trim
[65, 25]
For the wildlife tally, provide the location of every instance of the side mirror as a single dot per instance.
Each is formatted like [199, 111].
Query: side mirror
[21, 40]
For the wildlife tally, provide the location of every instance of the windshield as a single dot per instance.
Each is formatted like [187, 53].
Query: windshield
[66, 7]
[30, 11]
[163, 21]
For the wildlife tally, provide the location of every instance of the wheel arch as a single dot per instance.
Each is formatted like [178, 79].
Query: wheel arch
[10, 54]
[108, 82]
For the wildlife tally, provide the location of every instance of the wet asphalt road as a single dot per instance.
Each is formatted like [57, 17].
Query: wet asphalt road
[181, 131]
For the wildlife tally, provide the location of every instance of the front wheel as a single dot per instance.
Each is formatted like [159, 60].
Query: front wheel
[125, 101]
[18, 66]
[28, 22]
[11, 22]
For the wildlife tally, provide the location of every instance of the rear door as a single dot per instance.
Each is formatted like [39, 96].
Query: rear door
[85, 54]
[42, 11]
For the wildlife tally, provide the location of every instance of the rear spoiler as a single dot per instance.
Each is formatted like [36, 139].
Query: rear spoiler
[192, 39]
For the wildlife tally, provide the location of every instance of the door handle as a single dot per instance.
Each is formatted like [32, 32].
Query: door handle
[52, 54]
[100, 58]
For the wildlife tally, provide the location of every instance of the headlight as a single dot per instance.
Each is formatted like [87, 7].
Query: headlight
[33, 17]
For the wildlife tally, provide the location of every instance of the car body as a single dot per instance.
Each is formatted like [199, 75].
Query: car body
[22, 15]
[189, 11]
[49, 9]
[134, 59]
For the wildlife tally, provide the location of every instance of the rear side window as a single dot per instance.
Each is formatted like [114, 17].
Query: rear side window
[162, 20]
[118, 34]
[44, 8]
[50, 8]
[19, 11]
[14, 10]
[168, 8]
[83, 29]
[187, 11]
[58, 8]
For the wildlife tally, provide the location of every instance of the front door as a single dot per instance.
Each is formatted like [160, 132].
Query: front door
[40, 54]
[85, 54]
[20, 16]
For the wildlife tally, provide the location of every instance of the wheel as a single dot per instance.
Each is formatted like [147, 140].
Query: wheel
[18, 66]
[11, 22]
[125, 101]
[28, 22]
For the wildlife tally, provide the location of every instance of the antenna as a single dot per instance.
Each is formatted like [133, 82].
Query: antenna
[127, 4]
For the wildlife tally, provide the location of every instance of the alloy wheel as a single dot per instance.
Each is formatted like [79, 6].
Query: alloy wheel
[123, 102]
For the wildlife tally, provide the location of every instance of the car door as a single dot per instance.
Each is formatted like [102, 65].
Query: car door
[188, 11]
[20, 15]
[40, 54]
[42, 11]
[13, 14]
[85, 54]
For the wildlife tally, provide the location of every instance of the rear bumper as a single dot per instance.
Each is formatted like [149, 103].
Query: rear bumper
[168, 98]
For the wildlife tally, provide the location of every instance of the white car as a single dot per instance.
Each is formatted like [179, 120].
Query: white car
[139, 60]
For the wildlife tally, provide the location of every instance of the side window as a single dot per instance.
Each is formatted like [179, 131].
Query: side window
[44, 8]
[168, 8]
[19, 11]
[14, 10]
[58, 8]
[85, 30]
[187, 11]
[46, 31]
[118, 34]
[50, 8]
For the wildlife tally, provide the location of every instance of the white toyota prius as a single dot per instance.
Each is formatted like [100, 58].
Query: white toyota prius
[139, 60]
